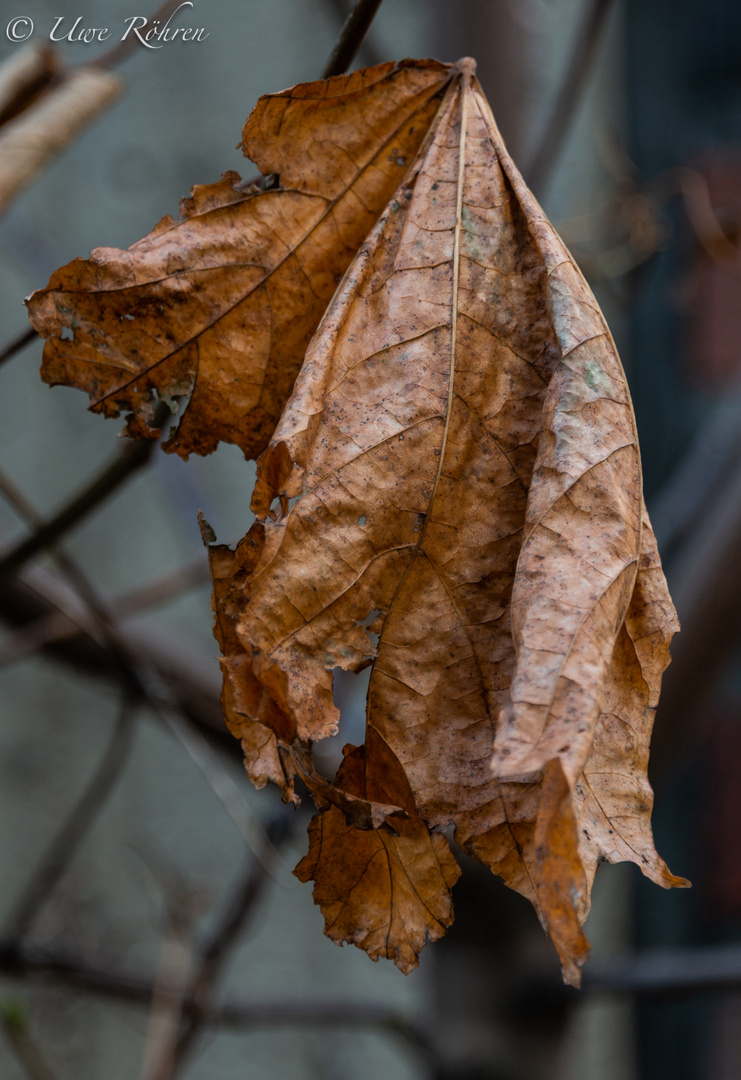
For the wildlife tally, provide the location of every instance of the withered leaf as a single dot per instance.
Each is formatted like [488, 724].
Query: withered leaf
[250, 712]
[218, 307]
[273, 750]
[386, 890]
[461, 449]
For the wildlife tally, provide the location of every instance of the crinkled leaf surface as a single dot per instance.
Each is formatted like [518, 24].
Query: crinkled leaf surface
[461, 449]
[219, 306]
[387, 889]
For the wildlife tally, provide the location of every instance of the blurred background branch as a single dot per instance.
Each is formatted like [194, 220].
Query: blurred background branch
[634, 150]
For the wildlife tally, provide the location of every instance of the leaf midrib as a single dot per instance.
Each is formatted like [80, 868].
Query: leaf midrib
[290, 254]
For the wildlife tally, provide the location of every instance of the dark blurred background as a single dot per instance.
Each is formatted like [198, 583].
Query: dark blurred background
[625, 118]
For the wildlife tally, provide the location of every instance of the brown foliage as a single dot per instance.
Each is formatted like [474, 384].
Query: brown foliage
[386, 889]
[219, 306]
[452, 494]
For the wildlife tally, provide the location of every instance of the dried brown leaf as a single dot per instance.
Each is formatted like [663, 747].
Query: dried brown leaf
[461, 449]
[218, 307]
[386, 890]
[251, 714]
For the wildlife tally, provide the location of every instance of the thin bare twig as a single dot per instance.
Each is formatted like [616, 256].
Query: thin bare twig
[16, 1029]
[16, 960]
[173, 969]
[218, 779]
[48, 630]
[162, 590]
[18, 344]
[133, 458]
[70, 606]
[57, 626]
[663, 972]
[192, 676]
[578, 69]
[143, 679]
[15, 497]
[24, 76]
[147, 681]
[67, 841]
[174, 965]
[351, 37]
[131, 44]
[368, 53]
[213, 953]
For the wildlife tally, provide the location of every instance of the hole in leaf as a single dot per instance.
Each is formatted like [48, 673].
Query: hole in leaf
[368, 621]
[349, 693]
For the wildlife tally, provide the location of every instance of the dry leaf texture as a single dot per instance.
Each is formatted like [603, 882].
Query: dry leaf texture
[219, 306]
[387, 889]
[461, 450]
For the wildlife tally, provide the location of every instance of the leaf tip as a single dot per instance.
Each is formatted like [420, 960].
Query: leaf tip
[466, 66]
[572, 973]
